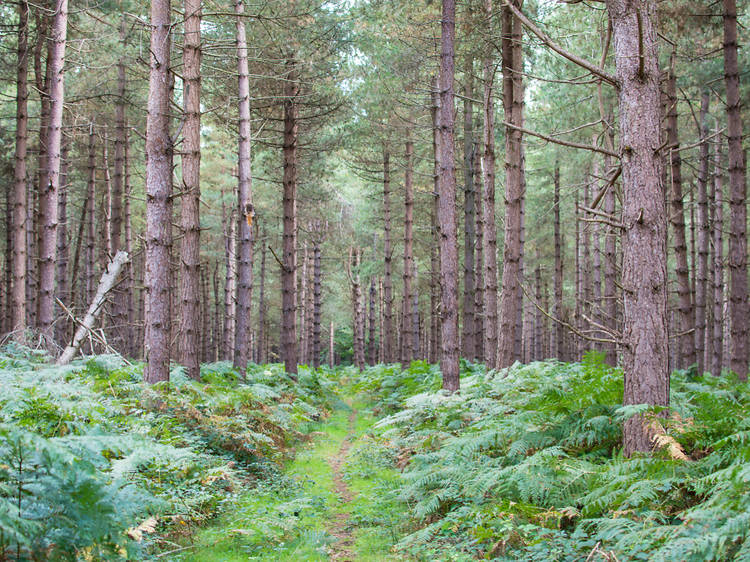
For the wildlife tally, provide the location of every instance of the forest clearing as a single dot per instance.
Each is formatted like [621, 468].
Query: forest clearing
[374, 280]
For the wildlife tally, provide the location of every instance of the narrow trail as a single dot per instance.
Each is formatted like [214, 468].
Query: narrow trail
[339, 526]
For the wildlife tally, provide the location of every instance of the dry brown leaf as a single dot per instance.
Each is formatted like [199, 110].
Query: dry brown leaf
[148, 526]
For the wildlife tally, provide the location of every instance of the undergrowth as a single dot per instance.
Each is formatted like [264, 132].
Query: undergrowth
[526, 464]
[96, 465]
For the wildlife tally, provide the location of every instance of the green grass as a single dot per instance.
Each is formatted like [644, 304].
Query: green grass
[284, 518]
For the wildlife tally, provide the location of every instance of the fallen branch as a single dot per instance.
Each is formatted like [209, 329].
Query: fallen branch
[105, 285]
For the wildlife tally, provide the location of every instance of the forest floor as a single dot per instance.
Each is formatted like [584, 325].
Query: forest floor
[318, 509]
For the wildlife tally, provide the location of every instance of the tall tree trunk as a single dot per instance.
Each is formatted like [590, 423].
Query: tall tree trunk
[489, 238]
[610, 267]
[131, 340]
[230, 283]
[446, 215]
[317, 293]
[63, 289]
[245, 208]
[158, 320]
[513, 106]
[371, 358]
[677, 218]
[18, 305]
[738, 297]
[301, 308]
[479, 317]
[596, 255]
[559, 343]
[190, 271]
[261, 358]
[90, 255]
[701, 271]
[717, 355]
[289, 267]
[538, 354]
[51, 183]
[331, 348]
[468, 345]
[644, 273]
[358, 341]
[387, 343]
[408, 351]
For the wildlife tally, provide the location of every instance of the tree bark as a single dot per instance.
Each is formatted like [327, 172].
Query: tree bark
[190, 271]
[158, 200]
[371, 358]
[610, 268]
[90, 256]
[489, 238]
[408, 351]
[317, 292]
[289, 267]
[446, 215]
[479, 259]
[51, 178]
[387, 343]
[513, 106]
[358, 341]
[468, 345]
[63, 250]
[230, 282]
[677, 218]
[644, 273]
[18, 305]
[737, 258]
[701, 271]
[717, 351]
[558, 288]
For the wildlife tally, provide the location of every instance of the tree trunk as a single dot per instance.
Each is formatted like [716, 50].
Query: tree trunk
[387, 343]
[158, 200]
[230, 283]
[701, 271]
[331, 348]
[677, 218]
[513, 106]
[371, 358]
[446, 215]
[18, 315]
[316, 304]
[490, 228]
[358, 341]
[610, 268]
[717, 351]
[596, 255]
[90, 257]
[539, 332]
[644, 273]
[559, 344]
[468, 345]
[131, 345]
[51, 178]
[479, 317]
[63, 289]
[408, 351]
[738, 309]
[261, 357]
[190, 271]
[289, 267]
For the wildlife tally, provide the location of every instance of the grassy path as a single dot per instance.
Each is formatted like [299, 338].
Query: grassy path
[326, 505]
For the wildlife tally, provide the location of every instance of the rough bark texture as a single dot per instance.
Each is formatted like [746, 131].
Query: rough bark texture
[489, 239]
[230, 282]
[158, 200]
[479, 260]
[245, 209]
[434, 353]
[677, 218]
[644, 274]
[387, 257]
[610, 269]
[558, 340]
[289, 259]
[468, 345]
[261, 356]
[62, 254]
[190, 274]
[737, 257]
[371, 358]
[717, 349]
[446, 215]
[18, 305]
[513, 106]
[357, 308]
[317, 292]
[408, 348]
[51, 176]
[701, 270]
[90, 253]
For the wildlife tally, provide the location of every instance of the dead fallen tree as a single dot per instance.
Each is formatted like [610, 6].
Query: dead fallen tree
[85, 326]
